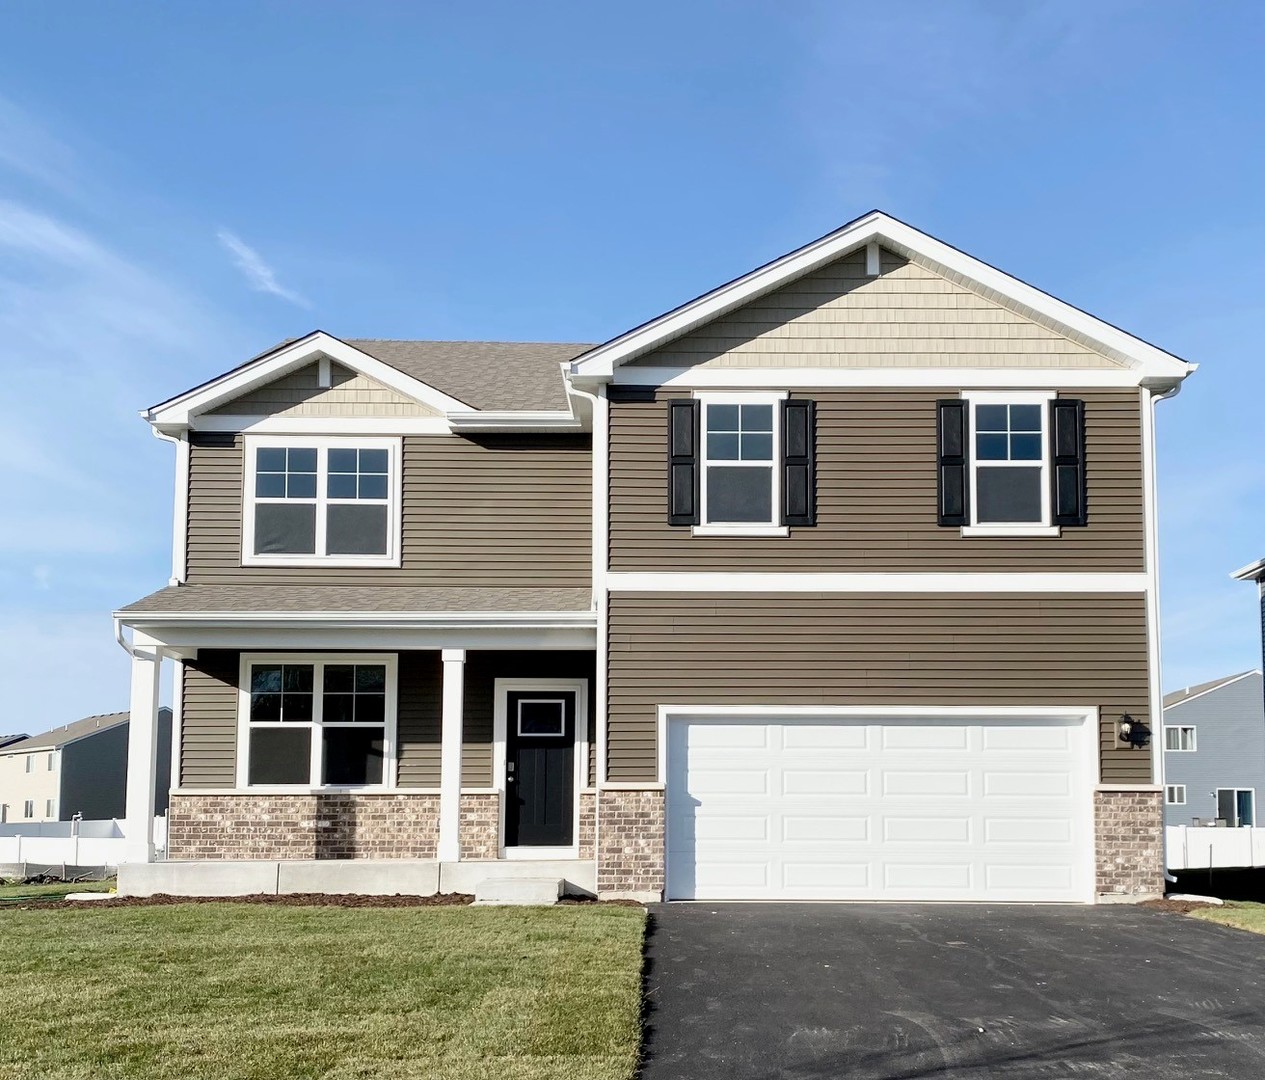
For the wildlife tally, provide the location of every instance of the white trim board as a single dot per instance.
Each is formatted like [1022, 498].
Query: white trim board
[875, 583]
[895, 235]
[820, 377]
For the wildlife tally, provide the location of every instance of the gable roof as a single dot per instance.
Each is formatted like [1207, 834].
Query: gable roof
[1180, 697]
[1153, 365]
[68, 733]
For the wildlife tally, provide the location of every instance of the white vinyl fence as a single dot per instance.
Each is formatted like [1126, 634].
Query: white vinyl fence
[1198, 847]
[69, 843]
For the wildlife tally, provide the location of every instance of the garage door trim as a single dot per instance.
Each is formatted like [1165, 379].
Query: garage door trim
[1083, 718]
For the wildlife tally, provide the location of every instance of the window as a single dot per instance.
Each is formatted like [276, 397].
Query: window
[542, 716]
[1179, 738]
[49, 805]
[313, 502]
[1175, 794]
[52, 758]
[739, 485]
[30, 763]
[1009, 462]
[1236, 807]
[317, 722]
[28, 808]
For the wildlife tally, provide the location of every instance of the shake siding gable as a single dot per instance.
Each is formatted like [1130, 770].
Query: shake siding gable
[874, 649]
[907, 317]
[876, 494]
[349, 394]
[505, 510]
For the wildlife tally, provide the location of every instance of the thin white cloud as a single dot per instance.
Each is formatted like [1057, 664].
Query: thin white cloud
[261, 276]
[27, 148]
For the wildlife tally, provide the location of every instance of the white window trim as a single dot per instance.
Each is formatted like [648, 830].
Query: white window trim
[1194, 742]
[322, 445]
[974, 398]
[773, 527]
[542, 734]
[318, 661]
[1216, 802]
[1175, 795]
[28, 809]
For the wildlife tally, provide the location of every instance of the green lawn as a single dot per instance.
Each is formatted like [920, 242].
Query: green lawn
[1237, 913]
[237, 991]
[13, 894]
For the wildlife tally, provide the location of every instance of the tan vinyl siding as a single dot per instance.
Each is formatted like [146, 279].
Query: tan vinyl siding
[876, 495]
[504, 510]
[300, 394]
[208, 728]
[797, 649]
[418, 706]
[909, 316]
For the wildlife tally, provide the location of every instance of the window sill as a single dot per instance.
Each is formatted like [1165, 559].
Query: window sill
[372, 562]
[741, 530]
[1011, 530]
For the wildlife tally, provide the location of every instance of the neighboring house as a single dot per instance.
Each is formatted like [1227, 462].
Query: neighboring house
[6, 740]
[837, 582]
[1214, 751]
[80, 768]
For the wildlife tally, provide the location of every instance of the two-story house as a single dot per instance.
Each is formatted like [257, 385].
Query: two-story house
[837, 582]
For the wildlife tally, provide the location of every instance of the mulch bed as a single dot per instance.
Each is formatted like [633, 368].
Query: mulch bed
[1178, 907]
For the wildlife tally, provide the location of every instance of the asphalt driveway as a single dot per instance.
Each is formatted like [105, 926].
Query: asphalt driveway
[862, 992]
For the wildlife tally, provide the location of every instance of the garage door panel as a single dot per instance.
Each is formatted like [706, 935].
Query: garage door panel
[867, 810]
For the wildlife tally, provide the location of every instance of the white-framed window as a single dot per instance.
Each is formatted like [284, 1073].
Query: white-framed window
[1010, 471]
[328, 501]
[1179, 738]
[1175, 794]
[52, 761]
[317, 721]
[28, 808]
[49, 806]
[1236, 806]
[739, 474]
[30, 763]
[542, 717]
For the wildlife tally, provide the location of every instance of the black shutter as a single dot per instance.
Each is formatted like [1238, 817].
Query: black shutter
[683, 462]
[951, 437]
[1067, 438]
[799, 462]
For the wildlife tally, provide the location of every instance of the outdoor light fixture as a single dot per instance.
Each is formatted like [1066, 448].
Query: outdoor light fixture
[1134, 732]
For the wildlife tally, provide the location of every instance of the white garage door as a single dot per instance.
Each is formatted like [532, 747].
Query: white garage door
[865, 809]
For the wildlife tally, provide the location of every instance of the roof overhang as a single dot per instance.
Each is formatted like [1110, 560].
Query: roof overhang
[1153, 366]
[1251, 572]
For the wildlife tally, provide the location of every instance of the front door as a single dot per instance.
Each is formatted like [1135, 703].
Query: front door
[540, 768]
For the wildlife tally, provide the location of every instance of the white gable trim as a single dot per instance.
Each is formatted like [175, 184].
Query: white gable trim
[179, 411]
[877, 227]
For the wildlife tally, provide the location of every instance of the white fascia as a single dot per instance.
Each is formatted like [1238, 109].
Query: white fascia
[356, 619]
[508, 420]
[877, 227]
[702, 378]
[179, 411]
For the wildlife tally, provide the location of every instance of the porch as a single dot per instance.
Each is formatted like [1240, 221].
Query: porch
[387, 753]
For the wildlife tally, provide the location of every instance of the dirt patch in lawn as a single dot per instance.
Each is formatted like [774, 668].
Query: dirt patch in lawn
[1178, 907]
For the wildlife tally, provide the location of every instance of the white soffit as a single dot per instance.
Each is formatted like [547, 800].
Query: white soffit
[178, 412]
[1147, 361]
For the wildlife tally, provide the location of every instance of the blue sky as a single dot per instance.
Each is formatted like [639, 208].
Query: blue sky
[182, 185]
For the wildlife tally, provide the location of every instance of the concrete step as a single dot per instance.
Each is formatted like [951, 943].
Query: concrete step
[518, 890]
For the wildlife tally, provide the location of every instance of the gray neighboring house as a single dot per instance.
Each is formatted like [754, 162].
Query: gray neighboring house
[8, 740]
[78, 768]
[1214, 751]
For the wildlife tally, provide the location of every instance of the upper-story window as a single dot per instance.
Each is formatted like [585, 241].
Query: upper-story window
[739, 478]
[1009, 481]
[1179, 738]
[321, 502]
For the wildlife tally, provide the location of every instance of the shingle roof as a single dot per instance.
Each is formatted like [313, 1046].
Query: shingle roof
[5, 740]
[229, 599]
[1178, 696]
[483, 374]
[59, 736]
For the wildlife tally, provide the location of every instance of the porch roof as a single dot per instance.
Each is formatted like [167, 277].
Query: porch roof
[334, 600]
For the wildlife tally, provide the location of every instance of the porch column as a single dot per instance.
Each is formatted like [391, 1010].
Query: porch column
[142, 751]
[450, 755]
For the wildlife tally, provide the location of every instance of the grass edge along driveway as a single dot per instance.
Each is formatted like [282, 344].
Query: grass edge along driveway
[1240, 914]
[241, 992]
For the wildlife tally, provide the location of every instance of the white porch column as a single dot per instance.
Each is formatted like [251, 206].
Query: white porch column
[450, 755]
[142, 750]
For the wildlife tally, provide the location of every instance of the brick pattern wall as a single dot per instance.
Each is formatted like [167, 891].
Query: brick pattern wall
[630, 845]
[588, 825]
[334, 826]
[480, 826]
[1129, 843]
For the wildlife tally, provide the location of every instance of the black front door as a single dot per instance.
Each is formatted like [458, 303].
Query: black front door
[540, 768]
